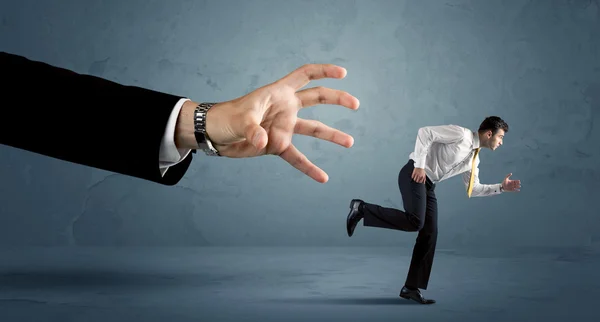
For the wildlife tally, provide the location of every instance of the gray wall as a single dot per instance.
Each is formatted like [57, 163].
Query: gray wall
[411, 64]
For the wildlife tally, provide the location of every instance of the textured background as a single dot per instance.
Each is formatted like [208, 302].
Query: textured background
[411, 64]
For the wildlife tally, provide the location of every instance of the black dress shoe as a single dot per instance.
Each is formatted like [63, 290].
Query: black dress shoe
[414, 295]
[354, 216]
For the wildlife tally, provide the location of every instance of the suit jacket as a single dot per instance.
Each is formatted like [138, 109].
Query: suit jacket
[86, 119]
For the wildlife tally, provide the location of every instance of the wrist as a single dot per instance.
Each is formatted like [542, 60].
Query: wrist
[185, 137]
[184, 129]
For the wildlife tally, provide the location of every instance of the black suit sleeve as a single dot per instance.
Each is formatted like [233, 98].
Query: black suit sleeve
[85, 119]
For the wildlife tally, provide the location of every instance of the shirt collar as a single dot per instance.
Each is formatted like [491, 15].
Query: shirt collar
[475, 143]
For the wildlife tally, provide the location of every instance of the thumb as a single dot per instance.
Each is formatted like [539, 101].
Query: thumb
[508, 176]
[256, 135]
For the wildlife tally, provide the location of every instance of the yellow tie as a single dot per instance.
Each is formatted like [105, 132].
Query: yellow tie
[470, 189]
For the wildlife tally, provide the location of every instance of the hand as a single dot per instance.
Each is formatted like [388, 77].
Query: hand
[511, 185]
[263, 121]
[418, 175]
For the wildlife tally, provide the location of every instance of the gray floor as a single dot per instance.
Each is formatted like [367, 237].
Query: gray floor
[292, 284]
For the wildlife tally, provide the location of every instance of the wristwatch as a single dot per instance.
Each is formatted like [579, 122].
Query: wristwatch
[204, 142]
[501, 188]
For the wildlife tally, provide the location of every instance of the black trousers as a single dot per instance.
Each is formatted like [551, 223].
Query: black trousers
[420, 215]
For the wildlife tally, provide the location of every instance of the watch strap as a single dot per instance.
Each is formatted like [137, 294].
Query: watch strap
[202, 138]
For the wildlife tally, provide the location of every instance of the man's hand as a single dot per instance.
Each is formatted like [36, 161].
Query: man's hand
[263, 121]
[511, 185]
[419, 175]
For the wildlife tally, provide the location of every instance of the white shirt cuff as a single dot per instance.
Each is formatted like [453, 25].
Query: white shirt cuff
[170, 155]
[419, 162]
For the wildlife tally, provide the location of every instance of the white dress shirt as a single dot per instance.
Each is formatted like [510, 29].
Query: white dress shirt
[170, 155]
[447, 150]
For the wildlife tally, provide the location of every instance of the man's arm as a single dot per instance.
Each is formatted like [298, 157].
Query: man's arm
[87, 120]
[479, 189]
[428, 135]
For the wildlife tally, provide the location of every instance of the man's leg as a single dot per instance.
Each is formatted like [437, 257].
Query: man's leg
[424, 249]
[414, 198]
[420, 214]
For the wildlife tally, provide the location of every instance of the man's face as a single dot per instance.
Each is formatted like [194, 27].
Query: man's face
[496, 140]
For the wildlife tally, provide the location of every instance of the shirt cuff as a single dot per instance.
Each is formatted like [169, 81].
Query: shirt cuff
[169, 154]
[419, 162]
[498, 188]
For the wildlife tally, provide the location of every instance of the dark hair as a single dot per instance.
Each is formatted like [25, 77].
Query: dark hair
[493, 123]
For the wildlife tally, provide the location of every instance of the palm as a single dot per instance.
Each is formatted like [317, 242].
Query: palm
[511, 185]
[279, 132]
[272, 112]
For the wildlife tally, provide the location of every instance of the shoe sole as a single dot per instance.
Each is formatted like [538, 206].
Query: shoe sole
[411, 299]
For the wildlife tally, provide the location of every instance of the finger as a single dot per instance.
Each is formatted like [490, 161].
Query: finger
[508, 176]
[324, 132]
[256, 135]
[303, 75]
[299, 161]
[323, 95]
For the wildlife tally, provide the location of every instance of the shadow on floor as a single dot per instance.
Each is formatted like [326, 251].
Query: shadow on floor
[64, 279]
[348, 301]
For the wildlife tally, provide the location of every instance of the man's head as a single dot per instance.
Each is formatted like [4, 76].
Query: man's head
[491, 132]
